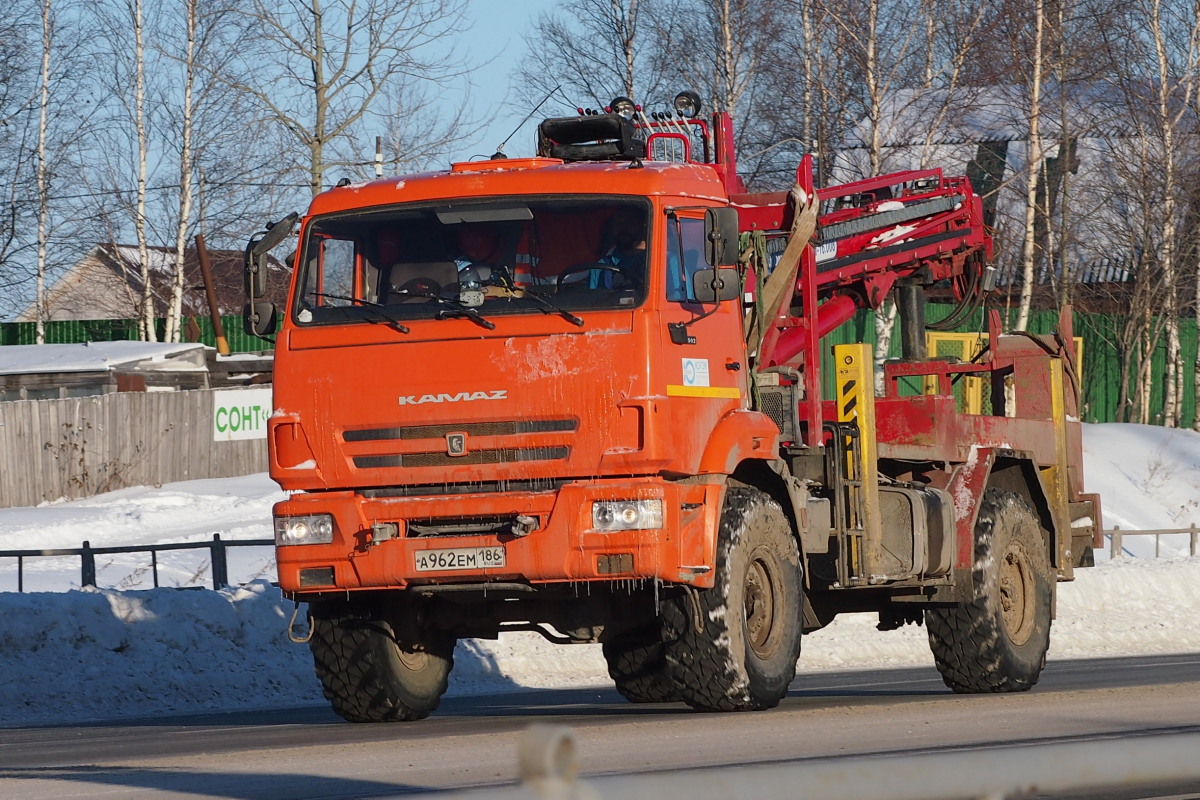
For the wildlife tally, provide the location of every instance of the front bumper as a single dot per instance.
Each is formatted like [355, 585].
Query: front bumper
[562, 547]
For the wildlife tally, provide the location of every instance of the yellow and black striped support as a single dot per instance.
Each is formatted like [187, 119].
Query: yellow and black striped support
[856, 404]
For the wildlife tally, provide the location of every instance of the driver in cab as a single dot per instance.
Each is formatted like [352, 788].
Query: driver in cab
[627, 233]
[622, 264]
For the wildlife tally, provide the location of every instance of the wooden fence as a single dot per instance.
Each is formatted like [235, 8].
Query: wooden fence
[1117, 547]
[81, 446]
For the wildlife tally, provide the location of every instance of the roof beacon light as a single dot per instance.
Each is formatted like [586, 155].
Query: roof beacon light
[687, 104]
[622, 106]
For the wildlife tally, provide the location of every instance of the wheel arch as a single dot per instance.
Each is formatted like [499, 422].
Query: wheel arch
[772, 478]
[1021, 477]
[1012, 470]
[741, 435]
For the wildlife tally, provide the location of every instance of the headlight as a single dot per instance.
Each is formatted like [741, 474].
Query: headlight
[312, 529]
[627, 515]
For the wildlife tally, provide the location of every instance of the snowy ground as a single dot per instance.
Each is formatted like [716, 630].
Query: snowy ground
[73, 655]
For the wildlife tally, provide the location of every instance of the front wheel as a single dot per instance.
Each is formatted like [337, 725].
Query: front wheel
[637, 663]
[370, 675]
[997, 641]
[734, 647]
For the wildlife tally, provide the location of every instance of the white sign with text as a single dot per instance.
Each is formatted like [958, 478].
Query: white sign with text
[241, 414]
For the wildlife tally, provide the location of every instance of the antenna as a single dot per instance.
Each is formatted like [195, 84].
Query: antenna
[500, 150]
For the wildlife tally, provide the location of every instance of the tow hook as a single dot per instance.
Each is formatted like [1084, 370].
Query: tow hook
[304, 637]
[524, 525]
[382, 531]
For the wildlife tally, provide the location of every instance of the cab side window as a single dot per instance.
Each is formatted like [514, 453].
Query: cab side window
[332, 273]
[685, 257]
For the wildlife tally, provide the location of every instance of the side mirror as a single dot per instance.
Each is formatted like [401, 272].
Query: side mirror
[258, 319]
[256, 255]
[721, 237]
[715, 285]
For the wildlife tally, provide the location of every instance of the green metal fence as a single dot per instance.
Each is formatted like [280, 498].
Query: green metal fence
[1102, 359]
[117, 330]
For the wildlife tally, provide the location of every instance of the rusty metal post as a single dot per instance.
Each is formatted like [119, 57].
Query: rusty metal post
[211, 293]
[220, 568]
[88, 559]
[910, 300]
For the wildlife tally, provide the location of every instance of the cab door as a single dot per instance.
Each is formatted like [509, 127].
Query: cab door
[703, 357]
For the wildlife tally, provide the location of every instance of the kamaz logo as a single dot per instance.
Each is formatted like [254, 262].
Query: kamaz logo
[445, 397]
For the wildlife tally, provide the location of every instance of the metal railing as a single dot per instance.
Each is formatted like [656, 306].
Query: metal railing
[1116, 536]
[87, 555]
[548, 764]
[220, 565]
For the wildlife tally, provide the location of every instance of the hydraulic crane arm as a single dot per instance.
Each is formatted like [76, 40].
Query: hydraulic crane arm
[916, 226]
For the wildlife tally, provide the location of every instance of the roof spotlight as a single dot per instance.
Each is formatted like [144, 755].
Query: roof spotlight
[687, 103]
[623, 106]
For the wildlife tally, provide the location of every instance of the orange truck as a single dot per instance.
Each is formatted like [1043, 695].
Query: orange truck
[582, 394]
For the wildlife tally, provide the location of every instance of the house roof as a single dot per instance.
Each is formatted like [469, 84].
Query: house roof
[76, 294]
[27, 359]
[999, 113]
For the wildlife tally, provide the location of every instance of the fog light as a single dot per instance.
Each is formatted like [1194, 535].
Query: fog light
[311, 529]
[627, 515]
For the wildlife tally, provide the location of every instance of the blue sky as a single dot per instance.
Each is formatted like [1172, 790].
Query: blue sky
[497, 29]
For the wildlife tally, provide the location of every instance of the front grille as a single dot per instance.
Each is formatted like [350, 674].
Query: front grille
[462, 526]
[496, 428]
[478, 487]
[508, 455]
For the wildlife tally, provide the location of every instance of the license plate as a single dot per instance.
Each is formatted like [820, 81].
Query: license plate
[460, 558]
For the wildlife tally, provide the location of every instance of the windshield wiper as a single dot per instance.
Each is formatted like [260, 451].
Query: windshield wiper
[370, 305]
[506, 282]
[546, 304]
[449, 307]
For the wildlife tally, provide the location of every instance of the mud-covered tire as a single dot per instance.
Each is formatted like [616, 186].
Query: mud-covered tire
[370, 676]
[734, 647]
[637, 663]
[997, 641]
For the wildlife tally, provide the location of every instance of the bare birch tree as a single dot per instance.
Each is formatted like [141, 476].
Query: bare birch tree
[718, 47]
[589, 51]
[1176, 86]
[317, 68]
[18, 92]
[42, 182]
[191, 12]
[146, 321]
[1159, 76]
[1031, 47]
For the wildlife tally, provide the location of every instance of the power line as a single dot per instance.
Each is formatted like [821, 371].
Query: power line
[105, 192]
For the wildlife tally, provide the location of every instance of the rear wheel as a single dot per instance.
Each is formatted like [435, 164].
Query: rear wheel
[997, 641]
[637, 663]
[370, 675]
[734, 647]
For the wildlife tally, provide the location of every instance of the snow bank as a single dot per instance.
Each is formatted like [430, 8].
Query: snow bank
[72, 655]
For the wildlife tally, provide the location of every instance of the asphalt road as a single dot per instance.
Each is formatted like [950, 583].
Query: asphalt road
[308, 753]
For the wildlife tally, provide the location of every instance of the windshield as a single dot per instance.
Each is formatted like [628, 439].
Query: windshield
[475, 259]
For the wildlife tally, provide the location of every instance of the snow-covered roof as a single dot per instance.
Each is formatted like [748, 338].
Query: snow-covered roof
[972, 114]
[26, 359]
